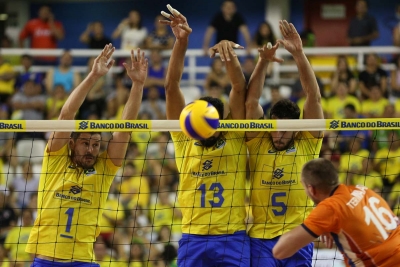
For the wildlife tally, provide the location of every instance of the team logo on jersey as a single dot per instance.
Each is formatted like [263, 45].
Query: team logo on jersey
[198, 144]
[271, 151]
[290, 150]
[207, 165]
[75, 189]
[89, 172]
[278, 173]
[220, 143]
[83, 125]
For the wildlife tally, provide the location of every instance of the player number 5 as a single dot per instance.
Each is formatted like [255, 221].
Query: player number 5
[379, 217]
[280, 205]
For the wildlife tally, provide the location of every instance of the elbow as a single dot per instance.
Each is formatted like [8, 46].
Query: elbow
[251, 104]
[280, 253]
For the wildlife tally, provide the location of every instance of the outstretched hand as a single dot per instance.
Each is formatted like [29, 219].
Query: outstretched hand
[225, 50]
[269, 53]
[137, 71]
[291, 39]
[102, 63]
[178, 23]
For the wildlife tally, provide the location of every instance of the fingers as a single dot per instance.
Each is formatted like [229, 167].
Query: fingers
[111, 63]
[212, 51]
[185, 27]
[165, 14]
[292, 28]
[166, 22]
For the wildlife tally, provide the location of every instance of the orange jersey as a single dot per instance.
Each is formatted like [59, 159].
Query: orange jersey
[361, 223]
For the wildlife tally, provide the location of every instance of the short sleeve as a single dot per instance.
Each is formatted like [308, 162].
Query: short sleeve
[179, 139]
[239, 20]
[362, 77]
[216, 20]
[322, 219]
[382, 73]
[373, 24]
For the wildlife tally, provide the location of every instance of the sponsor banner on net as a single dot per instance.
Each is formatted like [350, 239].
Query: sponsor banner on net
[12, 126]
[114, 125]
[363, 124]
[260, 125]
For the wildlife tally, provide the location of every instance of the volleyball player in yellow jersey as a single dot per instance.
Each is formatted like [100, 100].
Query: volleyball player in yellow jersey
[277, 199]
[76, 178]
[211, 190]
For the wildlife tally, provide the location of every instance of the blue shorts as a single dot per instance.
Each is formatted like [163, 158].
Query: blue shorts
[45, 263]
[261, 254]
[212, 251]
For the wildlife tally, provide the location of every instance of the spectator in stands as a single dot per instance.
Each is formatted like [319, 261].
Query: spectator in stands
[161, 37]
[307, 38]
[351, 161]
[6, 42]
[387, 160]
[394, 197]
[137, 254]
[263, 35]
[117, 98]
[30, 104]
[226, 24]
[275, 97]
[7, 80]
[63, 74]
[25, 184]
[395, 79]
[368, 177]
[131, 31]
[26, 74]
[4, 260]
[215, 90]
[363, 28]
[380, 138]
[156, 75]
[297, 89]
[154, 105]
[55, 102]
[248, 65]
[17, 240]
[95, 100]
[44, 32]
[6, 146]
[372, 75]
[161, 211]
[8, 215]
[102, 257]
[218, 75]
[337, 103]
[94, 36]
[343, 74]
[374, 107]
[135, 189]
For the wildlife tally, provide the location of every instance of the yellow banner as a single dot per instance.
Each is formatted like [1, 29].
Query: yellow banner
[114, 125]
[13, 126]
[235, 125]
[363, 124]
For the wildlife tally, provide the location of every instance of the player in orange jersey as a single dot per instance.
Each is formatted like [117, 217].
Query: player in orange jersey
[361, 223]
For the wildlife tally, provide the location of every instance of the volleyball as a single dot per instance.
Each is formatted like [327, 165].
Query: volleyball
[199, 120]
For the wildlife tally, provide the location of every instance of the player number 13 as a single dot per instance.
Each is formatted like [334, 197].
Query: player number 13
[380, 217]
[217, 198]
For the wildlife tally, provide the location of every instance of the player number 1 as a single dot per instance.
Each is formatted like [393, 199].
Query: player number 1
[379, 216]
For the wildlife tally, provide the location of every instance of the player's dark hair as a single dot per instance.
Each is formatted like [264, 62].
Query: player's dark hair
[140, 23]
[285, 109]
[75, 135]
[217, 103]
[321, 174]
[351, 107]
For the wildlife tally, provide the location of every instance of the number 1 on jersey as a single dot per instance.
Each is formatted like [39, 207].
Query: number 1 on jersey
[218, 189]
[70, 213]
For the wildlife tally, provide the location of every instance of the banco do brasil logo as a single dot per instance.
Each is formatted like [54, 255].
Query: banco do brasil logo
[75, 189]
[278, 173]
[334, 124]
[207, 165]
[83, 125]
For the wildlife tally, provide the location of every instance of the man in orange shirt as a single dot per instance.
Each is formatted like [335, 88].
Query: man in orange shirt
[44, 31]
[364, 228]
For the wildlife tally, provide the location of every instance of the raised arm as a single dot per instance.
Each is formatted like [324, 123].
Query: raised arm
[137, 71]
[256, 83]
[174, 98]
[207, 38]
[238, 93]
[292, 43]
[100, 67]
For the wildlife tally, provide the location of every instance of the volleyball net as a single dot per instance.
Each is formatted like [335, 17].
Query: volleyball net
[141, 222]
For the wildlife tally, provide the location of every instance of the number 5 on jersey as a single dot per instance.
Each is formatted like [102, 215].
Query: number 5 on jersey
[217, 198]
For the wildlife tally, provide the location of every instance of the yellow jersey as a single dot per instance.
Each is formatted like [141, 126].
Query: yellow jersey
[353, 162]
[108, 261]
[212, 186]
[70, 206]
[16, 242]
[375, 109]
[113, 209]
[388, 162]
[372, 180]
[161, 215]
[336, 106]
[277, 199]
[137, 189]
[6, 87]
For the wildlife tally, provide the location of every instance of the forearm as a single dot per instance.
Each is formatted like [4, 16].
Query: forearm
[75, 100]
[307, 76]
[56, 32]
[132, 106]
[207, 37]
[84, 38]
[257, 79]
[176, 64]
[235, 73]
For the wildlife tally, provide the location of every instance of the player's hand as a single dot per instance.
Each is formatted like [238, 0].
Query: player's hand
[269, 53]
[291, 39]
[225, 50]
[137, 71]
[327, 240]
[178, 23]
[102, 64]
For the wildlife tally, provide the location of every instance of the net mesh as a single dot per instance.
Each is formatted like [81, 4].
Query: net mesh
[141, 222]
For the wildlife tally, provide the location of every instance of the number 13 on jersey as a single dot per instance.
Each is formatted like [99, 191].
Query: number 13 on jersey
[211, 195]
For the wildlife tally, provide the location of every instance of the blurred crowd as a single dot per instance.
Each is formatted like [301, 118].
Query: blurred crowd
[141, 221]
